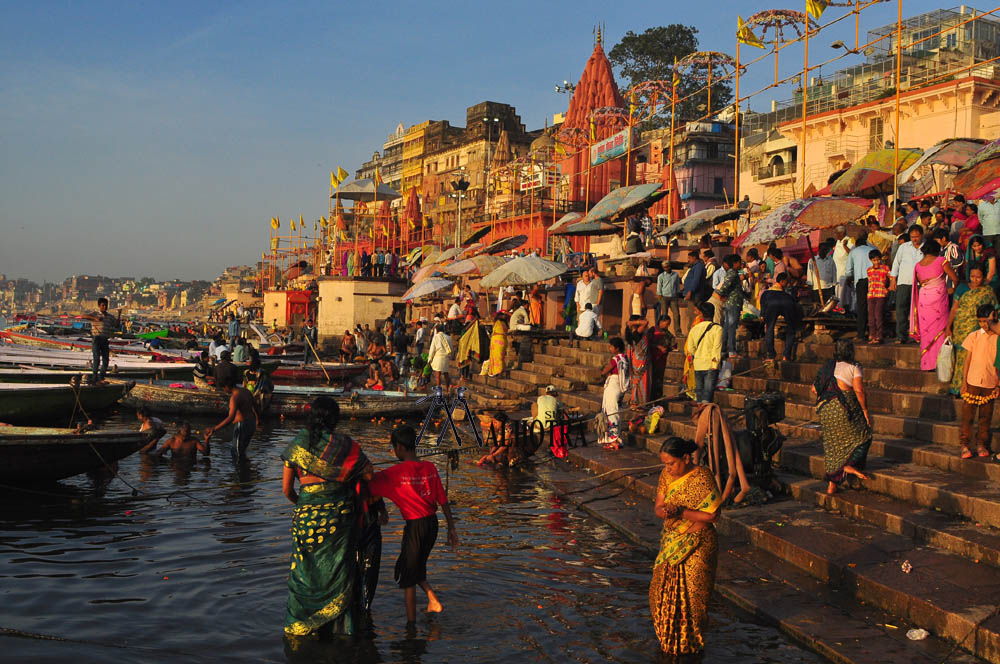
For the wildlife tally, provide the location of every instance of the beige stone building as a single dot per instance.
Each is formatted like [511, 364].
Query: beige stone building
[345, 302]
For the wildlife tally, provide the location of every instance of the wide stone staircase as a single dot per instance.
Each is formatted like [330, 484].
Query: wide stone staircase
[919, 541]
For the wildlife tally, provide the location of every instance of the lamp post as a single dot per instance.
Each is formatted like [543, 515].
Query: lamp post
[459, 186]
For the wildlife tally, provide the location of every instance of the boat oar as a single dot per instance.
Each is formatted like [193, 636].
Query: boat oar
[318, 361]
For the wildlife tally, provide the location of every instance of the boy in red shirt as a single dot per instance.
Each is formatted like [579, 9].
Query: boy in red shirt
[415, 487]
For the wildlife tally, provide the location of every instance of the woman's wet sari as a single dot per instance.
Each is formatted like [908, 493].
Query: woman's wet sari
[323, 579]
[638, 356]
[684, 573]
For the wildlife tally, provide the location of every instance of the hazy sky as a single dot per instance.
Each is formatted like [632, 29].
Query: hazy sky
[141, 138]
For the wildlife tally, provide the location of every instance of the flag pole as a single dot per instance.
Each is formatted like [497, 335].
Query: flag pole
[805, 97]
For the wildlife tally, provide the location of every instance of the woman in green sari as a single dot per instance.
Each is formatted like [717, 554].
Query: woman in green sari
[963, 319]
[323, 587]
[688, 501]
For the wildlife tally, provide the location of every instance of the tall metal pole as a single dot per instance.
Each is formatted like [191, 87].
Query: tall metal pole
[673, 112]
[805, 98]
[899, 71]
[736, 134]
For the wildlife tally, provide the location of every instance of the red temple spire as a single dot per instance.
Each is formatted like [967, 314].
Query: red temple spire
[596, 89]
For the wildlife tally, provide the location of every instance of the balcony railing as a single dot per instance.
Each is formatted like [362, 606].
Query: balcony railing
[775, 170]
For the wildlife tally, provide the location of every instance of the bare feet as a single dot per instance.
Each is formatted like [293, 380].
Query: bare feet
[853, 471]
[831, 488]
[433, 605]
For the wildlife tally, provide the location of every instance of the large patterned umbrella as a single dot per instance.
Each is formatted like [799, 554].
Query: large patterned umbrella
[426, 272]
[873, 174]
[588, 228]
[476, 265]
[505, 244]
[621, 199]
[983, 167]
[565, 220]
[701, 222]
[949, 152]
[523, 271]
[803, 216]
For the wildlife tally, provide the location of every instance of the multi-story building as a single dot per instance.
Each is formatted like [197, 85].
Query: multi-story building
[412, 166]
[948, 89]
[391, 167]
[703, 163]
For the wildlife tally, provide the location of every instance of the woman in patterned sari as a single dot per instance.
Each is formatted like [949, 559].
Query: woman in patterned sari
[498, 346]
[843, 415]
[323, 588]
[688, 501]
[963, 319]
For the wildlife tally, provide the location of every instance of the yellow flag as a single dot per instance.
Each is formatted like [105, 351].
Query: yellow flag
[292, 222]
[378, 178]
[593, 134]
[275, 224]
[333, 180]
[301, 224]
[274, 243]
[745, 35]
[323, 221]
[816, 7]
[676, 78]
[341, 174]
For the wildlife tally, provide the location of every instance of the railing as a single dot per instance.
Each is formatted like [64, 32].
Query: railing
[775, 170]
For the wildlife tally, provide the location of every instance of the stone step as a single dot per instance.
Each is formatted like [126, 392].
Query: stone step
[948, 595]
[587, 402]
[976, 543]
[529, 377]
[889, 354]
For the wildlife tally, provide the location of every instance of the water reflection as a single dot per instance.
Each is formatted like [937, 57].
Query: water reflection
[206, 548]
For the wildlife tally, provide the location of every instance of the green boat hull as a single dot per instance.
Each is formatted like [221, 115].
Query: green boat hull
[55, 404]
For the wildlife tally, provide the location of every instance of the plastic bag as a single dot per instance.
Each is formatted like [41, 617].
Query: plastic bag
[725, 375]
[946, 361]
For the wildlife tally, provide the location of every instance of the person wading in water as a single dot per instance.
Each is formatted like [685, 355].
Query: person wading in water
[243, 415]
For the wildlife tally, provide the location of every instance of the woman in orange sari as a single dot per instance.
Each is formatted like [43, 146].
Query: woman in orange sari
[688, 501]
[535, 299]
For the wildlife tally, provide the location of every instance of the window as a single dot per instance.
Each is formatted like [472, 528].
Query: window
[712, 152]
[875, 126]
[719, 186]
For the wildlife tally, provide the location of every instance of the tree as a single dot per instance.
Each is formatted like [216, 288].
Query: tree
[650, 57]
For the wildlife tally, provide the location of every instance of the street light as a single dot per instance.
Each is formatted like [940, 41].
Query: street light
[459, 186]
[565, 88]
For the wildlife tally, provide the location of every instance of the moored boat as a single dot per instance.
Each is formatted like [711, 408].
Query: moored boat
[287, 400]
[29, 454]
[48, 402]
[336, 371]
[39, 375]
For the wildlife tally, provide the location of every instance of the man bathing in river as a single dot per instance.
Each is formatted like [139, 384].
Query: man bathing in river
[182, 444]
[415, 487]
[243, 415]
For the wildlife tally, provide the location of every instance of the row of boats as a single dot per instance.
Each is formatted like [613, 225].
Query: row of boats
[41, 383]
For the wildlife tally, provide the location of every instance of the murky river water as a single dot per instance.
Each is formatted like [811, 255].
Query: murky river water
[197, 573]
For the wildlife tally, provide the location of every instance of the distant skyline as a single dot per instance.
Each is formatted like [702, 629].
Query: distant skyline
[141, 139]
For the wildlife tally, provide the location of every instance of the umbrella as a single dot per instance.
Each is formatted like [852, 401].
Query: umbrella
[701, 222]
[505, 244]
[471, 250]
[476, 235]
[988, 189]
[873, 174]
[564, 220]
[589, 228]
[950, 152]
[803, 216]
[483, 264]
[417, 253]
[980, 169]
[523, 271]
[426, 272]
[364, 190]
[426, 288]
[621, 199]
[448, 255]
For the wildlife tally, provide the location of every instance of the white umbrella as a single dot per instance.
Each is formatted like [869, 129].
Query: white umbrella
[365, 190]
[425, 288]
[523, 271]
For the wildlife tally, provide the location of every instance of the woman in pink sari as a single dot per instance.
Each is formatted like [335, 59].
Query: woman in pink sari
[929, 317]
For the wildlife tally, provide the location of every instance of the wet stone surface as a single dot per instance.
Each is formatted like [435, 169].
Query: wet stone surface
[197, 572]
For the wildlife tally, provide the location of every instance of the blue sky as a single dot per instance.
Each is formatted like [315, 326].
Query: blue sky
[141, 138]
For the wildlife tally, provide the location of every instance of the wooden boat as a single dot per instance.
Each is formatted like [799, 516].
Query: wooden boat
[37, 375]
[287, 400]
[316, 372]
[29, 454]
[53, 402]
[35, 341]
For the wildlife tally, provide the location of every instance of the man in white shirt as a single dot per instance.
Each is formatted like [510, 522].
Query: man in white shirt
[845, 293]
[901, 280]
[455, 311]
[589, 290]
[589, 325]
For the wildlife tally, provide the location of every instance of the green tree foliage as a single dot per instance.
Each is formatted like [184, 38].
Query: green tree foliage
[650, 57]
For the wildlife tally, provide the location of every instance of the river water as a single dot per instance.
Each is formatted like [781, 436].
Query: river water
[194, 569]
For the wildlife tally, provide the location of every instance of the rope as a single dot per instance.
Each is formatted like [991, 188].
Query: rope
[10, 631]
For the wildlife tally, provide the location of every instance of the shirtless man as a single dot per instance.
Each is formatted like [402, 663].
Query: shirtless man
[182, 444]
[243, 415]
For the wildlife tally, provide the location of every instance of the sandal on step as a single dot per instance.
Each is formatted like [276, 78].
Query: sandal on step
[966, 453]
[983, 452]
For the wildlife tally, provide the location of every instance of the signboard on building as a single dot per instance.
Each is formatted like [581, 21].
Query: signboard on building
[538, 176]
[612, 147]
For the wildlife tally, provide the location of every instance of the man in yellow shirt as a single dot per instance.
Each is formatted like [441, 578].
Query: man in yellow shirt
[704, 347]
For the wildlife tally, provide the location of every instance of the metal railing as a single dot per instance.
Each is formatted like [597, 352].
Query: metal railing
[775, 170]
